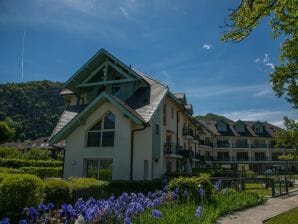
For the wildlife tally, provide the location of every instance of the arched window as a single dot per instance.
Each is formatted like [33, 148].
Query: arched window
[102, 133]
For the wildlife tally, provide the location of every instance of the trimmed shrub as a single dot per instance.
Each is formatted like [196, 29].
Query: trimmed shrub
[105, 175]
[88, 187]
[117, 187]
[18, 191]
[10, 170]
[57, 191]
[17, 163]
[192, 185]
[44, 172]
[9, 152]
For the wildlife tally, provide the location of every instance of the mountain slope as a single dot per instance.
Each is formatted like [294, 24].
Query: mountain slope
[32, 108]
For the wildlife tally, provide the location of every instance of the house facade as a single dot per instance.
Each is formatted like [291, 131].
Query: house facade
[119, 120]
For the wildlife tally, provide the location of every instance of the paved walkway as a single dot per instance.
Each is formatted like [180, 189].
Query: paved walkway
[255, 215]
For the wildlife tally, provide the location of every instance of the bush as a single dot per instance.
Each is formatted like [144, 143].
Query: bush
[18, 191]
[192, 185]
[10, 170]
[17, 163]
[43, 172]
[9, 152]
[105, 175]
[88, 187]
[57, 191]
[117, 187]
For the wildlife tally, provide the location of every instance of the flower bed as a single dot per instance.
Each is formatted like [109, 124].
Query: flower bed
[163, 206]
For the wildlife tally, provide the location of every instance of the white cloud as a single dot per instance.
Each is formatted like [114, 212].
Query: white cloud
[263, 92]
[266, 58]
[124, 11]
[207, 46]
[207, 91]
[257, 60]
[270, 65]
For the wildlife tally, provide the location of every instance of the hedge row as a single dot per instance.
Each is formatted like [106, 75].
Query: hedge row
[43, 172]
[17, 163]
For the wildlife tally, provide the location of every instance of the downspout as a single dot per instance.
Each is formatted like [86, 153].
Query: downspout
[132, 148]
[63, 149]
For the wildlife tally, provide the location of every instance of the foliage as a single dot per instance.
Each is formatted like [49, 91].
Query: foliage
[117, 187]
[33, 153]
[211, 116]
[43, 172]
[258, 188]
[105, 174]
[6, 133]
[289, 217]
[57, 191]
[288, 138]
[222, 203]
[193, 185]
[18, 191]
[31, 108]
[17, 163]
[284, 22]
[10, 170]
[88, 187]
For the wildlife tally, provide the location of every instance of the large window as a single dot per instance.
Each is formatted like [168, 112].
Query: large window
[99, 168]
[102, 133]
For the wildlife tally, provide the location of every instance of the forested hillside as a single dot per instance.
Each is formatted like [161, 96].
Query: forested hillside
[32, 108]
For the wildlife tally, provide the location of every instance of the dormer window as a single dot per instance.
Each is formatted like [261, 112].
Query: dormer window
[221, 127]
[102, 133]
[259, 129]
[240, 128]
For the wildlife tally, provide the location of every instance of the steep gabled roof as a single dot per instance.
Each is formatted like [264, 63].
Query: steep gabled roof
[72, 117]
[92, 64]
[181, 97]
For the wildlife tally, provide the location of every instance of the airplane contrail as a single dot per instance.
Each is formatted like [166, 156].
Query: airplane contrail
[22, 57]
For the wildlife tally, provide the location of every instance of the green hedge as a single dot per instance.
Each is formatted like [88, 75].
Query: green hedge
[117, 187]
[17, 163]
[192, 185]
[57, 191]
[43, 172]
[18, 191]
[9, 152]
[10, 170]
[88, 187]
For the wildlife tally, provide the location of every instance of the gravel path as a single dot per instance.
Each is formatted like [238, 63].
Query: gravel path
[255, 215]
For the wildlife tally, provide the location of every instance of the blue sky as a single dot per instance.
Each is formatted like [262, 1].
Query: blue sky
[176, 42]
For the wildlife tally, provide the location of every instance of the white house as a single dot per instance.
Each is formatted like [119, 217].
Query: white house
[119, 120]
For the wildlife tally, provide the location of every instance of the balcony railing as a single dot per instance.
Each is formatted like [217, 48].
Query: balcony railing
[223, 159]
[223, 145]
[187, 132]
[240, 145]
[177, 149]
[260, 145]
[196, 138]
[261, 158]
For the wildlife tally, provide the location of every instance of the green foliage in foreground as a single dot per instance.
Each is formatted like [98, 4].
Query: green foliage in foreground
[289, 217]
[17, 163]
[220, 204]
[258, 188]
[6, 133]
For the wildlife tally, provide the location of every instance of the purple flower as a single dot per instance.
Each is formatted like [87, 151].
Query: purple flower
[5, 221]
[218, 185]
[51, 206]
[173, 195]
[177, 190]
[156, 213]
[23, 221]
[127, 220]
[42, 207]
[186, 193]
[202, 193]
[199, 211]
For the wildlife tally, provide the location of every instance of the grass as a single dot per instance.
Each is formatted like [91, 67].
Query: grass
[221, 203]
[258, 188]
[289, 217]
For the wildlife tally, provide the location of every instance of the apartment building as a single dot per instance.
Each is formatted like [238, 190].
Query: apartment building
[120, 120]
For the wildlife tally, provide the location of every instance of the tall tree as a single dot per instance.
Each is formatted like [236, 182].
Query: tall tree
[6, 133]
[288, 137]
[283, 16]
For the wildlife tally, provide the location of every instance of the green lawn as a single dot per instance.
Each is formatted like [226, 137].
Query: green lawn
[289, 217]
[258, 188]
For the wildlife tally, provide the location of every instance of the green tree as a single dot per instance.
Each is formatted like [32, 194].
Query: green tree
[283, 15]
[288, 137]
[6, 133]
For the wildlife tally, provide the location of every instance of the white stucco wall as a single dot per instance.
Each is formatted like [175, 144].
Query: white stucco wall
[77, 152]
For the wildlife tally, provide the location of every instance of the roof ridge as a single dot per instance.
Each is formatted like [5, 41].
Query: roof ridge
[148, 76]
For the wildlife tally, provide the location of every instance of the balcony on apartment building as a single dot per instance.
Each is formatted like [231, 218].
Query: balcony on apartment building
[221, 144]
[175, 149]
[241, 145]
[259, 145]
[187, 132]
